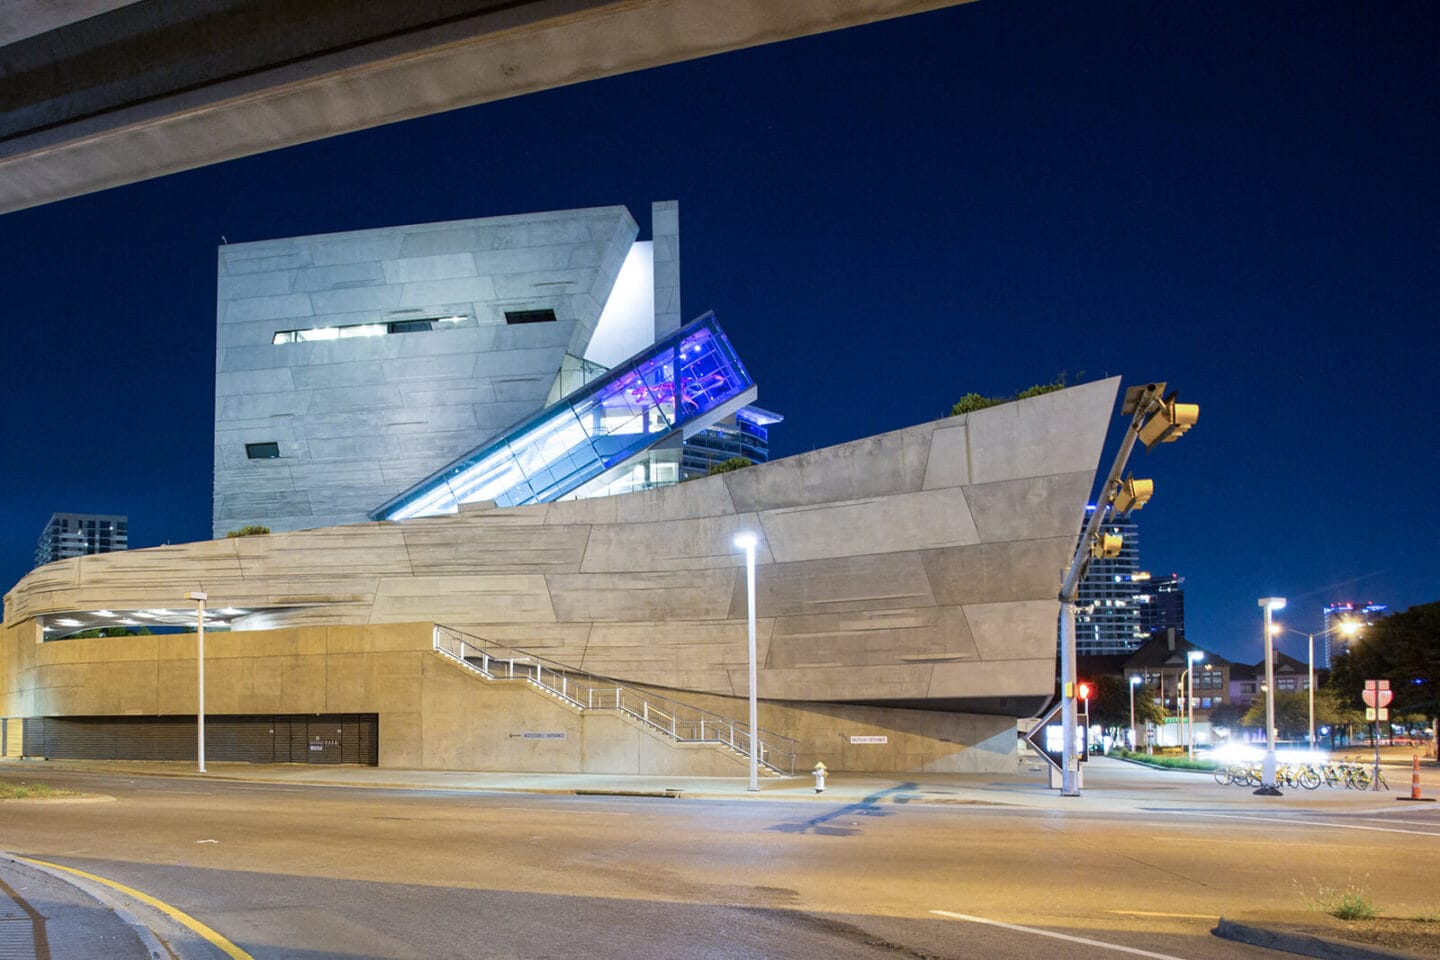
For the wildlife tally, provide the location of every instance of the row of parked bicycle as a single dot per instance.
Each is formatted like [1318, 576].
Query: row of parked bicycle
[1349, 773]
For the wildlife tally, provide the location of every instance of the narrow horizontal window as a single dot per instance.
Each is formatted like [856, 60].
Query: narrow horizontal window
[530, 316]
[262, 451]
[352, 330]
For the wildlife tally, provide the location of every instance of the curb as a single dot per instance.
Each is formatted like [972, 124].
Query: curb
[148, 939]
[1303, 944]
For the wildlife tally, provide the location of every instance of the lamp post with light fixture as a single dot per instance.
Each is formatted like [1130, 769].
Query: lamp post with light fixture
[1135, 680]
[746, 542]
[200, 599]
[1267, 769]
[1348, 628]
[1187, 682]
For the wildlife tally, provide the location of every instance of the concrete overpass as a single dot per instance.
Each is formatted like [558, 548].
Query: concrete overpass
[99, 93]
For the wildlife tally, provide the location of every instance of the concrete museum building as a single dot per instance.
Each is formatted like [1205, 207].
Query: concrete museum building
[466, 438]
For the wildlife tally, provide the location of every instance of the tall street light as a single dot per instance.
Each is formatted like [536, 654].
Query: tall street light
[746, 542]
[1267, 770]
[200, 599]
[1347, 627]
[1135, 680]
[1188, 681]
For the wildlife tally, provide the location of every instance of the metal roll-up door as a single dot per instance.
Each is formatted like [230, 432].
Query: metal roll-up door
[32, 737]
[73, 738]
[155, 738]
[326, 740]
[369, 751]
[247, 739]
[299, 740]
[350, 739]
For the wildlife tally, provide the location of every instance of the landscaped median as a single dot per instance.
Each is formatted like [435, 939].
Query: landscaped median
[1163, 761]
[32, 791]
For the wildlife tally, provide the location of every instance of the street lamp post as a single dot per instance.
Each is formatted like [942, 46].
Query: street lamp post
[1267, 770]
[200, 599]
[746, 542]
[1348, 627]
[1135, 679]
[1188, 681]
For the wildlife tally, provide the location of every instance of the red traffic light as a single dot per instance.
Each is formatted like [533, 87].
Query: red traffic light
[1082, 690]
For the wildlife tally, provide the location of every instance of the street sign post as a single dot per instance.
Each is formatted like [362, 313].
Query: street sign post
[1048, 739]
[1377, 696]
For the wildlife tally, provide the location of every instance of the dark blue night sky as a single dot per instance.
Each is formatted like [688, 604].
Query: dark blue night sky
[1239, 198]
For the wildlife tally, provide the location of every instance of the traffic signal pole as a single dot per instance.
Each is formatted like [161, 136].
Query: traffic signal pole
[1146, 401]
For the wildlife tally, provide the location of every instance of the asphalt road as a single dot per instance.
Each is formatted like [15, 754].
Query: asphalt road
[309, 872]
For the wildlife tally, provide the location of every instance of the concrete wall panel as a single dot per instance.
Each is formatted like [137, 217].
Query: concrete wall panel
[933, 518]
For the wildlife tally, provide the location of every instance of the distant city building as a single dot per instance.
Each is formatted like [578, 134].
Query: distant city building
[1337, 614]
[1107, 616]
[77, 534]
[1162, 604]
[746, 434]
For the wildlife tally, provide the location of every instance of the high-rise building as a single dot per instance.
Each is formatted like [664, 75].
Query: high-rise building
[77, 534]
[1336, 615]
[1107, 615]
[746, 434]
[1162, 604]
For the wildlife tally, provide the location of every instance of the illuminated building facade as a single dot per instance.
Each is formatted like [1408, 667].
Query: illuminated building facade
[1107, 614]
[1162, 605]
[78, 534]
[745, 435]
[1337, 614]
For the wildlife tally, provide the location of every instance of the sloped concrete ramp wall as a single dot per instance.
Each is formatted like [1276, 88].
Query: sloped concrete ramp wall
[918, 566]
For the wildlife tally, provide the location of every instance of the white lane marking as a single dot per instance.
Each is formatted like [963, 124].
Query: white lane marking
[1147, 913]
[1057, 936]
[1413, 823]
[1313, 823]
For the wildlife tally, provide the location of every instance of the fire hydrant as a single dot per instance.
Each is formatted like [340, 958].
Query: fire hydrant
[819, 772]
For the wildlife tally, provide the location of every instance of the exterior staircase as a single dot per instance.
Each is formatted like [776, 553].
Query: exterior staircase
[583, 692]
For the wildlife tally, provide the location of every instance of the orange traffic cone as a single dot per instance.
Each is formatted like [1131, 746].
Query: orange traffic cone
[1415, 781]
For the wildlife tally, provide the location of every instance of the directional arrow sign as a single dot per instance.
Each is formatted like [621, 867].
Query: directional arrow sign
[1048, 739]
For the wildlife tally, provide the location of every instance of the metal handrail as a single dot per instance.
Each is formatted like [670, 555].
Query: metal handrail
[680, 721]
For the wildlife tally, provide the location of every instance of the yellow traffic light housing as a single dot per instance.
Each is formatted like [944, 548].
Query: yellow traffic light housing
[1106, 546]
[1133, 494]
[1169, 422]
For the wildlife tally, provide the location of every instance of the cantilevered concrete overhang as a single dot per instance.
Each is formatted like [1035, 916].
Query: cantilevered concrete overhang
[99, 93]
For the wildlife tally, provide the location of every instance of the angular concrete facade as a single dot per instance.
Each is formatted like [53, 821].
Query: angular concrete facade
[915, 569]
[433, 349]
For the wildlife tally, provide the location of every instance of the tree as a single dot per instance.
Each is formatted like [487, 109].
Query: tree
[1292, 713]
[1226, 716]
[1110, 705]
[734, 463]
[974, 401]
[1403, 648]
[250, 530]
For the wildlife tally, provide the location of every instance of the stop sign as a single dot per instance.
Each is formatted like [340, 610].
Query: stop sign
[1377, 693]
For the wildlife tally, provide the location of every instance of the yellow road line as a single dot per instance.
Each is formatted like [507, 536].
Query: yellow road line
[228, 948]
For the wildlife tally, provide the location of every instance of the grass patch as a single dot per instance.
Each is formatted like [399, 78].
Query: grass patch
[31, 791]
[1180, 762]
[1346, 903]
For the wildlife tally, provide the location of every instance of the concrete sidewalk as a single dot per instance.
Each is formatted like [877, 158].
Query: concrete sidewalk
[1109, 785]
